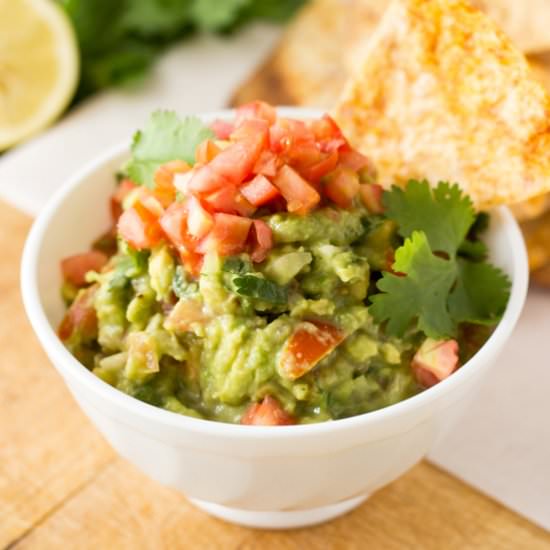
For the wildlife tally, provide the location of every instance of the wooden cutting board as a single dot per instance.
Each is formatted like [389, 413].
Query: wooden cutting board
[63, 487]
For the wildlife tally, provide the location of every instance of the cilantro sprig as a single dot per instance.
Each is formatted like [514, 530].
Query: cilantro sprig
[165, 137]
[440, 277]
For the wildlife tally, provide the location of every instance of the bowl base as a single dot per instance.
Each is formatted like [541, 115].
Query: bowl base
[279, 519]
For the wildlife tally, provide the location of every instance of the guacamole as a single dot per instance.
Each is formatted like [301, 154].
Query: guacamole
[241, 289]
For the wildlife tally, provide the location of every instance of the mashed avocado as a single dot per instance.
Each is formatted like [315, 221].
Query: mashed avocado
[208, 347]
[273, 282]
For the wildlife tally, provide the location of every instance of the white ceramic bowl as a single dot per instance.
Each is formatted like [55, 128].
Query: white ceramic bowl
[263, 477]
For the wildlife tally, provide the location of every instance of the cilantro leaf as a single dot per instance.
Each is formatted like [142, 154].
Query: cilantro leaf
[261, 289]
[473, 250]
[213, 15]
[444, 214]
[119, 40]
[420, 295]
[235, 264]
[165, 137]
[155, 18]
[480, 294]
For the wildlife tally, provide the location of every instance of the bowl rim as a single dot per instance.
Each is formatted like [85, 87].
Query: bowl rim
[70, 368]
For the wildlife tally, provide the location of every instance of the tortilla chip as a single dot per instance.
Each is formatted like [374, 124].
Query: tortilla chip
[526, 22]
[310, 64]
[537, 239]
[541, 277]
[442, 94]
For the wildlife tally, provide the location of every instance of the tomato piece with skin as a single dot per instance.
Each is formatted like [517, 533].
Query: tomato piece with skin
[303, 155]
[301, 197]
[316, 171]
[287, 134]
[434, 361]
[309, 343]
[139, 227]
[259, 191]
[325, 128]
[232, 165]
[371, 195]
[228, 236]
[268, 412]
[81, 316]
[174, 226]
[123, 188]
[222, 128]
[229, 200]
[199, 221]
[164, 189]
[204, 179]
[262, 240]
[342, 186]
[354, 160]
[74, 268]
[251, 129]
[267, 164]
[206, 151]
[256, 110]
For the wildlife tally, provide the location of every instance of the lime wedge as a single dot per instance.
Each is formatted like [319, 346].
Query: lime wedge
[38, 67]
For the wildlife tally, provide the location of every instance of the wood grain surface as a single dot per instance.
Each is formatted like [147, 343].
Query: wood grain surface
[63, 487]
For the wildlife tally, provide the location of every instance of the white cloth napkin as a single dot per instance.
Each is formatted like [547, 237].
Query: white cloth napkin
[502, 446]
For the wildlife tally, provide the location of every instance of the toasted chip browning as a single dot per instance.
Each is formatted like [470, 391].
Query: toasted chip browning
[442, 93]
[537, 239]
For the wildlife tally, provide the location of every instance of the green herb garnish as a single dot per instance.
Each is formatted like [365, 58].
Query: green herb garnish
[433, 288]
[261, 289]
[166, 137]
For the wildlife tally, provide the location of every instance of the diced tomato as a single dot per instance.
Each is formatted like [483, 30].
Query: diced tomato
[288, 133]
[74, 268]
[267, 413]
[371, 194]
[203, 180]
[316, 171]
[267, 164]
[354, 160]
[259, 191]
[199, 221]
[252, 129]
[229, 200]
[186, 313]
[164, 190]
[122, 190]
[149, 200]
[81, 316]
[325, 128]
[310, 342]
[222, 128]
[300, 196]
[228, 236]
[262, 240]
[206, 151]
[233, 165]
[139, 227]
[303, 155]
[191, 260]
[342, 186]
[174, 226]
[164, 174]
[434, 361]
[256, 109]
